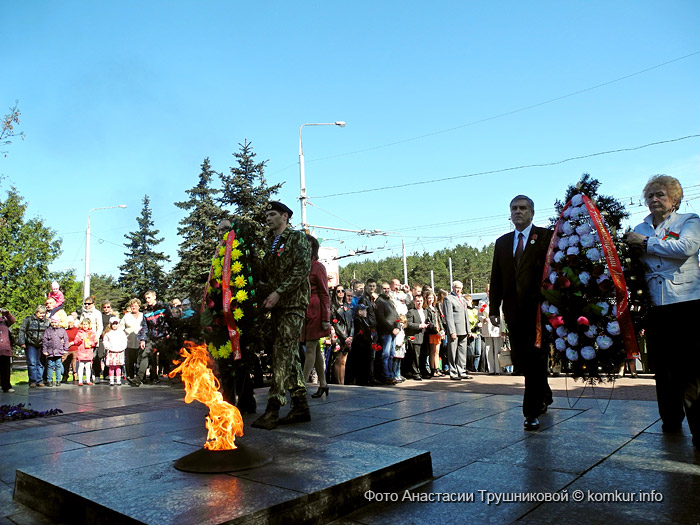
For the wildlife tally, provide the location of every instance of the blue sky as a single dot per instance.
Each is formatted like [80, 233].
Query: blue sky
[122, 99]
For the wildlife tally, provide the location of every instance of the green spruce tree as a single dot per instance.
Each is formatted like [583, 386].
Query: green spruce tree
[143, 267]
[246, 190]
[27, 248]
[199, 237]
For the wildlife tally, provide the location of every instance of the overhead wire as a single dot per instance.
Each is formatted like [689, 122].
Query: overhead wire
[500, 115]
[502, 170]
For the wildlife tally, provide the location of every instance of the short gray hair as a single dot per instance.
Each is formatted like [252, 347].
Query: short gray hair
[530, 202]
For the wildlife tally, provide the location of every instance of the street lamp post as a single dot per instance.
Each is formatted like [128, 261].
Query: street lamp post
[86, 280]
[302, 177]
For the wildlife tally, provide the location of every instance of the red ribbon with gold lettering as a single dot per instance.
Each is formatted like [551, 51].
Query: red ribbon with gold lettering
[618, 278]
[233, 334]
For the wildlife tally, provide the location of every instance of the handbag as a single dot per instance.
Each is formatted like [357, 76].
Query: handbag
[504, 358]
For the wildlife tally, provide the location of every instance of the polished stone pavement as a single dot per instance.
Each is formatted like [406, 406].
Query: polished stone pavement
[117, 445]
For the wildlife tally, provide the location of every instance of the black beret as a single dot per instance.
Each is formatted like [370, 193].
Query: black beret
[279, 207]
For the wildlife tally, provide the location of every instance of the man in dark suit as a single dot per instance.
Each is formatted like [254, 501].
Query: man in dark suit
[516, 277]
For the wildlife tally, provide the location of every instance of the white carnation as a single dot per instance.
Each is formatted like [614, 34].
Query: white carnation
[613, 328]
[588, 352]
[603, 342]
[583, 229]
[593, 254]
[587, 240]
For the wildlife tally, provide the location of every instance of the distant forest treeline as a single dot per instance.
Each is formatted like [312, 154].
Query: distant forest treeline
[470, 265]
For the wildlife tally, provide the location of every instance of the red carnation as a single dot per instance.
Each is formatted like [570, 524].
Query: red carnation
[335, 320]
[556, 321]
[412, 338]
[563, 282]
[582, 321]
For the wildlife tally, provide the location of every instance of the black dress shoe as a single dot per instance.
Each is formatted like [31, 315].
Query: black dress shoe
[455, 378]
[465, 376]
[531, 423]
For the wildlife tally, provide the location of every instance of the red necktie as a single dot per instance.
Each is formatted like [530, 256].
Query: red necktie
[519, 249]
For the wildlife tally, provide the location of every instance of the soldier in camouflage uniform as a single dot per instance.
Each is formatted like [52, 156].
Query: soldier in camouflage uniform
[286, 267]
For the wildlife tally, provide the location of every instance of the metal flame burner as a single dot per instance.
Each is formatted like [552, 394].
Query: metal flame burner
[204, 461]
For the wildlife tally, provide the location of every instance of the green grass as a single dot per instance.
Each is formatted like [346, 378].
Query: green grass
[19, 377]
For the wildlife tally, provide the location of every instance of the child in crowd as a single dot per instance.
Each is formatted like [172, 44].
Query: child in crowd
[85, 341]
[114, 340]
[69, 359]
[400, 350]
[54, 345]
[57, 294]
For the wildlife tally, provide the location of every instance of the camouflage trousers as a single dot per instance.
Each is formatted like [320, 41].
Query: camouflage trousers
[286, 367]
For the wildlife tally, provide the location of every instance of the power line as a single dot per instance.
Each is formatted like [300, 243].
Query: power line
[500, 115]
[591, 88]
[513, 168]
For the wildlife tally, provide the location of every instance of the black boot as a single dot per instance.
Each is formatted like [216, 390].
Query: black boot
[270, 418]
[299, 412]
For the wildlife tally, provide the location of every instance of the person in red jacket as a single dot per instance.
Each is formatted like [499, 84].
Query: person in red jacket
[317, 323]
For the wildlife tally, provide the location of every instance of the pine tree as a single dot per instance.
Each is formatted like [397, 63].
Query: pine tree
[27, 248]
[200, 238]
[247, 191]
[143, 267]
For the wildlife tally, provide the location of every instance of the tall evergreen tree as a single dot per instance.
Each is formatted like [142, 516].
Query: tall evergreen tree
[200, 238]
[27, 248]
[247, 191]
[143, 267]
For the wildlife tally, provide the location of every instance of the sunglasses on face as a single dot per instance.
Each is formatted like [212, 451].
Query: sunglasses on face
[87, 304]
[340, 291]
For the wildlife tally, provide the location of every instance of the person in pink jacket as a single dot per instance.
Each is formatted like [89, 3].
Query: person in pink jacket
[85, 342]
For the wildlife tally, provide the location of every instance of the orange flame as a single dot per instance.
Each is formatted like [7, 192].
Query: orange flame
[224, 421]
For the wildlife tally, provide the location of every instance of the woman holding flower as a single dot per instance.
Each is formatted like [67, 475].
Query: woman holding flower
[669, 244]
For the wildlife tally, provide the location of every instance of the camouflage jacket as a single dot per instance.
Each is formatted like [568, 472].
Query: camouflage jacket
[286, 268]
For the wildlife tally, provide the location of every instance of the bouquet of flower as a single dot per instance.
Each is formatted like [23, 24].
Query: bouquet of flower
[229, 298]
[586, 307]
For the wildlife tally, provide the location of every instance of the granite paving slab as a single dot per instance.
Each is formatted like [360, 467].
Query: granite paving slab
[615, 491]
[560, 450]
[396, 433]
[16, 455]
[313, 484]
[513, 419]
[459, 446]
[490, 478]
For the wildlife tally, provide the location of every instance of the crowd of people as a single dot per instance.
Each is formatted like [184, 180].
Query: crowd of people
[386, 333]
[90, 346]
[389, 333]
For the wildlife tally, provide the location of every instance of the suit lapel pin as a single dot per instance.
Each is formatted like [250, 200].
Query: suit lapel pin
[533, 239]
